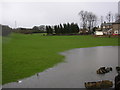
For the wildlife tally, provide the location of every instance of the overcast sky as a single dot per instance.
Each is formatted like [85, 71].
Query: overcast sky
[28, 14]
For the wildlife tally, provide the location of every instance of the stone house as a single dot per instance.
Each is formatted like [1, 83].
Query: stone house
[111, 28]
[116, 27]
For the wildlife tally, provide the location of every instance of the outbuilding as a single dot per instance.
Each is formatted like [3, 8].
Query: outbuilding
[98, 32]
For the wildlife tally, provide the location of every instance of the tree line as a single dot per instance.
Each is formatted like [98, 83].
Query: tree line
[66, 28]
[88, 25]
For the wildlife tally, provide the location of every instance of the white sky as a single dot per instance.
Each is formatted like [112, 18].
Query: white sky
[28, 14]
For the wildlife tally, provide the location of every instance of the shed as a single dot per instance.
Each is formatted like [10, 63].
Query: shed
[98, 32]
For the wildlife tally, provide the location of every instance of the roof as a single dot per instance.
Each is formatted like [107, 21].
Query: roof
[106, 24]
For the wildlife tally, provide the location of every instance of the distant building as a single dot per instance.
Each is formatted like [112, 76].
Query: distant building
[6, 30]
[106, 26]
[111, 28]
[84, 32]
[41, 28]
[116, 27]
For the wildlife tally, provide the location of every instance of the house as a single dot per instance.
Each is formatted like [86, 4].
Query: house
[84, 32]
[116, 27]
[106, 26]
[111, 28]
[6, 30]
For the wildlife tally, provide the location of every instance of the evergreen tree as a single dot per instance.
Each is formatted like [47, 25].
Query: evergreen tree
[76, 28]
[63, 29]
[50, 30]
[47, 30]
[72, 29]
[56, 29]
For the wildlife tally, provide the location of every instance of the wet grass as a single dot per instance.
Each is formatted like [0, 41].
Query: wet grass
[25, 55]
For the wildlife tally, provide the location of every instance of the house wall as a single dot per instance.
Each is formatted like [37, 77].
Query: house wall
[6, 30]
[105, 27]
[116, 26]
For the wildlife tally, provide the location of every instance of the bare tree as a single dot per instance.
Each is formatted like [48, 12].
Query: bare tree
[88, 20]
[94, 20]
[83, 17]
[91, 19]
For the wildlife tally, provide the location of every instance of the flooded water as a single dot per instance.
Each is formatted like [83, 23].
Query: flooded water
[80, 66]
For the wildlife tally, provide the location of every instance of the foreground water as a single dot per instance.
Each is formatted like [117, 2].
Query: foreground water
[80, 66]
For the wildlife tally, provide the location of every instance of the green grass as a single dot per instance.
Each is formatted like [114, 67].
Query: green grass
[25, 55]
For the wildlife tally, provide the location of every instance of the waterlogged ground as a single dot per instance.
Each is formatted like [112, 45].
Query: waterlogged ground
[80, 66]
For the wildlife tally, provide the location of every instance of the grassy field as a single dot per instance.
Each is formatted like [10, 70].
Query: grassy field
[25, 55]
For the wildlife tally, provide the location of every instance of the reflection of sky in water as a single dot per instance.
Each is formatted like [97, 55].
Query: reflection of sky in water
[80, 66]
